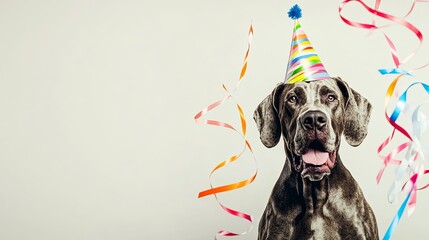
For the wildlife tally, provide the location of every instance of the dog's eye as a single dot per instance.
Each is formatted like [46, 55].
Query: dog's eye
[331, 98]
[292, 99]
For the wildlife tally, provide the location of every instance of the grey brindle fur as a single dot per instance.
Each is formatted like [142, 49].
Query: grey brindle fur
[306, 202]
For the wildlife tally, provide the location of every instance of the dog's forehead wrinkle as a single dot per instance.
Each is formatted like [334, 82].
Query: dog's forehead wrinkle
[329, 85]
[298, 89]
[317, 89]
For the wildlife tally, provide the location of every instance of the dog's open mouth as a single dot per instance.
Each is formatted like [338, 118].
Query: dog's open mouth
[316, 161]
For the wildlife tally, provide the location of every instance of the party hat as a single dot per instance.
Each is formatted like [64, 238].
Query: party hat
[304, 63]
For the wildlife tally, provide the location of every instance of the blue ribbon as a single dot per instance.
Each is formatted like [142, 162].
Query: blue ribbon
[394, 116]
[403, 99]
[398, 216]
[385, 71]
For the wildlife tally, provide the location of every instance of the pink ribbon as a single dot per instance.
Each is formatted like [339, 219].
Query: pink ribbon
[413, 150]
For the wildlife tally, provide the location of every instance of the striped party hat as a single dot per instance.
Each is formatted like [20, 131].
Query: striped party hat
[304, 63]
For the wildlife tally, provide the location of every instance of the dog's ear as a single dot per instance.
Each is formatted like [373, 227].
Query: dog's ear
[357, 114]
[267, 118]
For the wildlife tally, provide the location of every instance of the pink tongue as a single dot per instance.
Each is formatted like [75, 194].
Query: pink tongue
[315, 157]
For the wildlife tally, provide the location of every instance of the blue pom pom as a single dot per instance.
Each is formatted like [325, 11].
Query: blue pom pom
[295, 12]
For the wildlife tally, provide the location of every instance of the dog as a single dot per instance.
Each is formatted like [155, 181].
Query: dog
[315, 196]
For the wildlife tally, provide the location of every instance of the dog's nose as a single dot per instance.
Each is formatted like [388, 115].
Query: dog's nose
[313, 120]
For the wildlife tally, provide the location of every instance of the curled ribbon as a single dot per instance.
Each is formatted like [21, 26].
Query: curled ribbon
[229, 187]
[414, 149]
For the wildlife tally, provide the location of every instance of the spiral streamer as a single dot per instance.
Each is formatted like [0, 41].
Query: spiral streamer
[242, 133]
[412, 165]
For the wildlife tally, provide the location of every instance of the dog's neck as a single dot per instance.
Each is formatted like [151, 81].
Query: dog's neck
[314, 194]
[311, 195]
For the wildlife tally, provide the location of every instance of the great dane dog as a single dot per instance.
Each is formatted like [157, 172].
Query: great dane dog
[315, 196]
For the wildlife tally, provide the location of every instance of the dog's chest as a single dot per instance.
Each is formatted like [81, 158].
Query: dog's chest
[321, 228]
[319, 218]
[318, 224]
[332, 220]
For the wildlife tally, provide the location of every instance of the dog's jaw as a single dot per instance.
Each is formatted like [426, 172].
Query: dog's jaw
[314, 152]
[318, 172]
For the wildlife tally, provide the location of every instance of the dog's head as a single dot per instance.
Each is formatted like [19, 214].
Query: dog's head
[312, 116]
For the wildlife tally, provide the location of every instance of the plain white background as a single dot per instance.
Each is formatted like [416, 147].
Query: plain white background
[97, 99]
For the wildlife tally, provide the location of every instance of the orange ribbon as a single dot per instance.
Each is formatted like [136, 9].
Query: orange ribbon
[229, 187]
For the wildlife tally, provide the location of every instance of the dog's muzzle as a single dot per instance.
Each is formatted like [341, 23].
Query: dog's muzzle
[314, 161]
